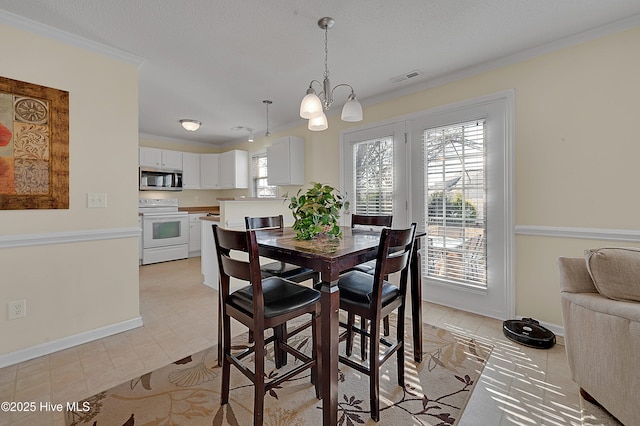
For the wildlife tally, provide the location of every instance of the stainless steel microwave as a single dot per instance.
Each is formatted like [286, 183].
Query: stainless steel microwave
[160, 180]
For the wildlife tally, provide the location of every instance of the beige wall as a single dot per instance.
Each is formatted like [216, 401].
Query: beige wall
[75, 287]
[576, 151]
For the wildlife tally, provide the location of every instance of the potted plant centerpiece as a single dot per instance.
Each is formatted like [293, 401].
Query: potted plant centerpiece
[317, 211]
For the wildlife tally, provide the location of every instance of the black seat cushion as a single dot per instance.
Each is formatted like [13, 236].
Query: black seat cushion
[283, 270]
[357, 287]
[368, 267]
[280, 296]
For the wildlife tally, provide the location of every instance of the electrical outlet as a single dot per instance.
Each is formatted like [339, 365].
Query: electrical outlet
[17, 309]
[96, 200]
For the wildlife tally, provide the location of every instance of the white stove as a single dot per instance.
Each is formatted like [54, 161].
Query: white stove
[165, 230]
[158, 205]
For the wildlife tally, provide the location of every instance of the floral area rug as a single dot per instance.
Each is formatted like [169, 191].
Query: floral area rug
[187, 392]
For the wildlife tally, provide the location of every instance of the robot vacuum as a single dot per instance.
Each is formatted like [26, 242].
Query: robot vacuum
[529, 332]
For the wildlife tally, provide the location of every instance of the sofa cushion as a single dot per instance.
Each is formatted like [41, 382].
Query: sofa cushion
[615, 271]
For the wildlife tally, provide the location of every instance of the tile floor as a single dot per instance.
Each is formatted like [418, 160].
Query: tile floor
[519, 386]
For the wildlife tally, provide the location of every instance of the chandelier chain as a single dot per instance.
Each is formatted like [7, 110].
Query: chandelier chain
[326, 52]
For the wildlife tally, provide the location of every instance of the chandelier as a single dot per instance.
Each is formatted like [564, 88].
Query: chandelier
[313, 105]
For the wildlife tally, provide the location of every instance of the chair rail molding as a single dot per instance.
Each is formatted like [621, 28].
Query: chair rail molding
[630, 235]
[24, 240]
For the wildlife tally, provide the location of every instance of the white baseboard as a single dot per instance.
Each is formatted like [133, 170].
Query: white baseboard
[68, 342]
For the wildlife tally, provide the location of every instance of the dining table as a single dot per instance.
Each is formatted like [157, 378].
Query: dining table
[331, 257]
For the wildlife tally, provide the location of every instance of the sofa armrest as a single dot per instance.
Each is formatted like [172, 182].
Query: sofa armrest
[574, 276]
[599, 304]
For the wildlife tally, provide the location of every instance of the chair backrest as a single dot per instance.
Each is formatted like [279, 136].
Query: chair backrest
[371, 220]
[265, 222]
[394, 255]
[227, 241]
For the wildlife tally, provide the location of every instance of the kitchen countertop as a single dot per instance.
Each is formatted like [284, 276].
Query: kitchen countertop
[201, 209]
[249, 199]
[211, 218]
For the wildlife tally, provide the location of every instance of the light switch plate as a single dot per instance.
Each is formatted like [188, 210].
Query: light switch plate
[97, 200]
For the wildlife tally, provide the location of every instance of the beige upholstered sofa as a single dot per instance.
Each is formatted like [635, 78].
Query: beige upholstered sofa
[600, 296]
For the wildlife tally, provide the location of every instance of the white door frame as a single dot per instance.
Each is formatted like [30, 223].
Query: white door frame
[465, 299]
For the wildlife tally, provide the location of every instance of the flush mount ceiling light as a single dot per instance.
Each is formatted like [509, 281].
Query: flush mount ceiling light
[190, 125]
[312, 104]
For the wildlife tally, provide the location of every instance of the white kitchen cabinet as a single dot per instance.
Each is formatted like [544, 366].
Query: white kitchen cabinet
[160, 158]
[234, 169]
[140, 247]
[285, 161]
[190, 170]
[209, 171]
[194, 233]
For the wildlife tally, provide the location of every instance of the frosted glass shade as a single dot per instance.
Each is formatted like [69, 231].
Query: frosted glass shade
[190, 125]
[318, 123]
[352, 110]
[310, 105]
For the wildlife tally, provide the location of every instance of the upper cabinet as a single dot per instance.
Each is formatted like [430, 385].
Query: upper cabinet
[209, 171]
[190, 170]
[285, 161]
[160, 158]
[228, 170]
[234, 169]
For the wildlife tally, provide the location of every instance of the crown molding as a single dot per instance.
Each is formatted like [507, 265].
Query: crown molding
[31, 26]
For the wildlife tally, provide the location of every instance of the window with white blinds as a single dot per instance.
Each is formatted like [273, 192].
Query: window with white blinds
[373, 176]
[261, 188]
[455, 202]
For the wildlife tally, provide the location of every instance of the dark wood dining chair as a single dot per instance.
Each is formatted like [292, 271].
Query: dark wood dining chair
[291, 272]
[372, 298]
[288, 271]
[371, 222]
[263, 304]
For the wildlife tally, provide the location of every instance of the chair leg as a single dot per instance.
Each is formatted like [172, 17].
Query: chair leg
[374, 369]
[259, 391]
[316, 371]
[400, 340]
[226, 365]
[220, 353]
[386, 325]
[364, 326]
[280, 334]
[350, 333]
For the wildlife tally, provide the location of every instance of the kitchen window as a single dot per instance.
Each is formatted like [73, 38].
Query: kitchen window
[261, 187]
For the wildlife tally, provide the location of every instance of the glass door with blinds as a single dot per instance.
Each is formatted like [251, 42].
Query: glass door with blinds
[461, 193]
[455, 203]
[375, 172]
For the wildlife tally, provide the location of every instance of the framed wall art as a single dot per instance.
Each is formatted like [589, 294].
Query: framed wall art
[34, 146]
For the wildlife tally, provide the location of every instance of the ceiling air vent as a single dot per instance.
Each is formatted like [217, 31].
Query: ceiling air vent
[406, 76]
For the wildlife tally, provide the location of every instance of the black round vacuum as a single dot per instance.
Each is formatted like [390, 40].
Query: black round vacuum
[529, 332]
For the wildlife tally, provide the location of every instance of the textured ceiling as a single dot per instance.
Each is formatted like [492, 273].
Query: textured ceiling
[216, 60]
